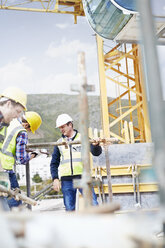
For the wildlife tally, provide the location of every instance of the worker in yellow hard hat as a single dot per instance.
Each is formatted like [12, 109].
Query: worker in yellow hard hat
[14, 147]
[31, 121]
[12, 103]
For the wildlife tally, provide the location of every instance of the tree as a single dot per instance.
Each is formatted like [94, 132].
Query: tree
[36, 178]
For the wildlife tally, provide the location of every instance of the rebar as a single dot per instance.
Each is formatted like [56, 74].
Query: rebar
[106, 141]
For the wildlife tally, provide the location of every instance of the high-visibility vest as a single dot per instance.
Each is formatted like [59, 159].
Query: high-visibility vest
[71, 163]
[3, 131]
[9, 145]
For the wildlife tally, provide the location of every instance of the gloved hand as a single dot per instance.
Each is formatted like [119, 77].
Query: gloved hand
[34, 154]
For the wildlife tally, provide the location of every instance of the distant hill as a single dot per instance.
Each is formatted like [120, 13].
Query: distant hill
[49, 106]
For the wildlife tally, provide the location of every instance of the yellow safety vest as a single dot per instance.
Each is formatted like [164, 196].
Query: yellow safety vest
[71, 163]
[3, 131]
[9, 145]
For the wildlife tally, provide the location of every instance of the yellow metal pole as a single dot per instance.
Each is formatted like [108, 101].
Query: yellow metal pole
[132, 138]
[138, 97]
[104, 109]
[147, 128]
[128, 83]
[126, 133]
[103, 89]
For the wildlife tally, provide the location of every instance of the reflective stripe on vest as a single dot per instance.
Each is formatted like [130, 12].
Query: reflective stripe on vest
[9, 145]
[2, 135]
[71, 163]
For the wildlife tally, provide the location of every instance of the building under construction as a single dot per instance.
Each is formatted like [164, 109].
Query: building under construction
[129, 175]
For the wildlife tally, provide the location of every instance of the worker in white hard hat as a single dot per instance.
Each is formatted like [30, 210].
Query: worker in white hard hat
[66, 163]
[14, 147]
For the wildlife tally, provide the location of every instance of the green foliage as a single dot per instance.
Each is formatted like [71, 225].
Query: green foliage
[36, 178]
[52, 192]
[40, 187]
[23, 188]
[49, 106]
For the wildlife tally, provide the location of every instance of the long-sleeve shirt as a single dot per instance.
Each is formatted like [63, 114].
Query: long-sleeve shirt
[55, 161]
[22, 157]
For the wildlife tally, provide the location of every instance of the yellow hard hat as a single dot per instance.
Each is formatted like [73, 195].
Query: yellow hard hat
[34, 120]
[16, 95]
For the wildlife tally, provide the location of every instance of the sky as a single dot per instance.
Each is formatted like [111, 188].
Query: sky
[39, 51]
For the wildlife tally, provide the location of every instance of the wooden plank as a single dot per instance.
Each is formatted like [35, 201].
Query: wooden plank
[128, 188]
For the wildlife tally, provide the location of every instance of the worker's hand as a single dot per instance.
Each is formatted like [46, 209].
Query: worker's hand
[97, 141]
[33, 155]
[56, 185]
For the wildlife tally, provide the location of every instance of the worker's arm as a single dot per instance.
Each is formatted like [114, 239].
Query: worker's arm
[54, 164]
[22, 157]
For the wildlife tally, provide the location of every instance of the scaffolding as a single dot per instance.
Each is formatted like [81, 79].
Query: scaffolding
[120, 67]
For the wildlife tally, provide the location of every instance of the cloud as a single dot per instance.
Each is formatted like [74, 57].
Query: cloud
[62, 25]
[17, 74]
[59, 83]
[69, 49]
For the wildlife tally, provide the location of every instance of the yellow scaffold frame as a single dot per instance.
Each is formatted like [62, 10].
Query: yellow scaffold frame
[128, 130]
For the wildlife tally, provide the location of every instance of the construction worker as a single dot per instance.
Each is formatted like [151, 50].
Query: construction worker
[14, 147]
[68, 161]
[12, 103]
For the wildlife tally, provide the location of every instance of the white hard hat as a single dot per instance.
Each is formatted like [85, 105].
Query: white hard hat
[62, 120]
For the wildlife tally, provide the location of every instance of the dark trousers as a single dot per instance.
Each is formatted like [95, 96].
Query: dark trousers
[69, 194]
[13, 184]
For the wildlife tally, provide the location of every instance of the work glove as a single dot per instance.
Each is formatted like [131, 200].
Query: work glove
[35, 154]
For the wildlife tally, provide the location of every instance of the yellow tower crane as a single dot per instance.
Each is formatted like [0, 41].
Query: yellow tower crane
[72, 7]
